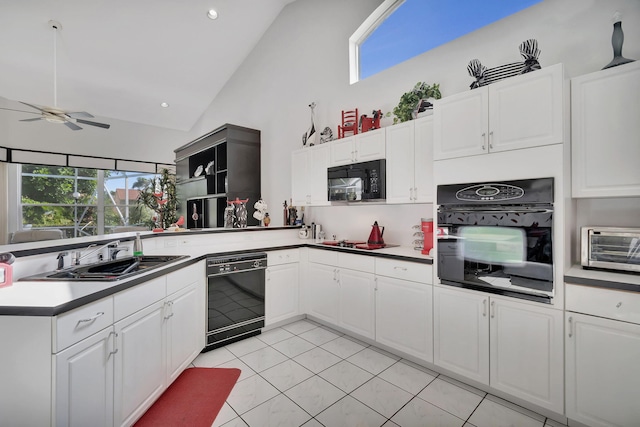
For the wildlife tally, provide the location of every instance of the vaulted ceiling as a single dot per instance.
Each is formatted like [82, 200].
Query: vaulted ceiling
[122, 59]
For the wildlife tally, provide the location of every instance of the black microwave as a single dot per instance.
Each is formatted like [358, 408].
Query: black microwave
[357, 181]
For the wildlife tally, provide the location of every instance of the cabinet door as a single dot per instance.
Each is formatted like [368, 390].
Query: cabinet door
[460, 124]
[342, 151]
[423, 160]
[84, 382]
[281, 293]
[604, 132]
[527, 111]
[185, 334]
[526, 355]
[322, 292]
[603, 372]
[300, 177]
[400, 162]
[357, 302]
[140, 363]
[318, 164]
[404, 316]
[370, 145]
[461, 333]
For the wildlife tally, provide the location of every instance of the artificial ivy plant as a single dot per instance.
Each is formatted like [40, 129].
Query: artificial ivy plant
[409, 100]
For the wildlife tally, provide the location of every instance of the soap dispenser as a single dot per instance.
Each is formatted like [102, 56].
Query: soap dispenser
[137, 246]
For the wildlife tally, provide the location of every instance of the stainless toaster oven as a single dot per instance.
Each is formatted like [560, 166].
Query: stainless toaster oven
[611, 248]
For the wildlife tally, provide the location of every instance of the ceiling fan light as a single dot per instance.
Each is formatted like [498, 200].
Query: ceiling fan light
[164, 105]
[212, 14]
[54, 119]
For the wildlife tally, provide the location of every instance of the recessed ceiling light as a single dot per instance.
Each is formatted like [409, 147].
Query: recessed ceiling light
[164, 105]
[212, 14]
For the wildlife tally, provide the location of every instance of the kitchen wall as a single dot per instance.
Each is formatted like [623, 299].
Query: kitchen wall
[303, 57]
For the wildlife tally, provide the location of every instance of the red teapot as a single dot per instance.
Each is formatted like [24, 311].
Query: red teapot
[375, 238]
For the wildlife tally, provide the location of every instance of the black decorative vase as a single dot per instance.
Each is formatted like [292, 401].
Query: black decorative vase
[617, 39]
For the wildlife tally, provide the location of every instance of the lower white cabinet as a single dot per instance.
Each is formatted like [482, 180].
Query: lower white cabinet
[281, 292]
[113, 376]
[139, 363]
[356, 297]
[603, 371]
[84, 382]
[322, 292]
[512, 346]
[404, 316]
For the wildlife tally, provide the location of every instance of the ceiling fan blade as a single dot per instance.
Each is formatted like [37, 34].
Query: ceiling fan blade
[32, 106]
[31, 120]
[79, 115]
[87, 122]
[19, 111]
[72, 126]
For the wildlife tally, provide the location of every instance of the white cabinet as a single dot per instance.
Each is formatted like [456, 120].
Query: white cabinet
[409, 154]
[84, 382]
[341, 290]
[605, 129]
[362, 147]
[322, 292]
[139, 363]
[309, 176]
[518, 112]
[603, 372]
[512, 346]
[282, 286]
[404, 303]
[184, 330]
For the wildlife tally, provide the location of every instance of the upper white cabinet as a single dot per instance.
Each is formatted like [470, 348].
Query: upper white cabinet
[512, 346]
[518, 112]
[605, 126]
[358, 148]
[309, 176]
[410, 161]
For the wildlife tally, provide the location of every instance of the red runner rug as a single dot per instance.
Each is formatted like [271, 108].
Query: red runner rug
[194, 399]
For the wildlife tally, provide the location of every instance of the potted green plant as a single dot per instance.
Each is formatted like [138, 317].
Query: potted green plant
[159, 195]
[409, 101]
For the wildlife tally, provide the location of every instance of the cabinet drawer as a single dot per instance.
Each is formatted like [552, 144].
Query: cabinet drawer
[81, 323]
[128, 302]
[184, 277]
[406, 270]
[357, 262]
[283, 257]
[323, 257]
[609, 303]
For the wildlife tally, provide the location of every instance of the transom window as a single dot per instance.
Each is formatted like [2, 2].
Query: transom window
[401, 29]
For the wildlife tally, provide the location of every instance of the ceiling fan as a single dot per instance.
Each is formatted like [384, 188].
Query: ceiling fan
[55, 114]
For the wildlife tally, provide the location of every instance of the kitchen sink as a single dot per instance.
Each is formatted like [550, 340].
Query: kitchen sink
[109, 270]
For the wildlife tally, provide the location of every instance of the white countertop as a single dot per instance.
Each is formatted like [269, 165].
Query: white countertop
[610, 279]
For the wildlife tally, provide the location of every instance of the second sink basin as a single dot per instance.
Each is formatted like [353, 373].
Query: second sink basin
[109, 270]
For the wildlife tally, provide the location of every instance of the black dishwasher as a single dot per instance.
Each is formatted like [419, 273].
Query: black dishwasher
[235, 297]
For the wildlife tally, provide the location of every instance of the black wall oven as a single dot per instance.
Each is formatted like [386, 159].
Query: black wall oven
[498, 237]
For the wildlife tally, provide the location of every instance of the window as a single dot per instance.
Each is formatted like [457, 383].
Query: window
[79, 201]
[401, 29]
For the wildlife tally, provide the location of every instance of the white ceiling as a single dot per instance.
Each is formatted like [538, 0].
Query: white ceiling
[121, 58]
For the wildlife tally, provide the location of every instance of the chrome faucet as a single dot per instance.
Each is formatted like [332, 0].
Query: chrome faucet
[77, 255]
[113, 250]
[60, 259]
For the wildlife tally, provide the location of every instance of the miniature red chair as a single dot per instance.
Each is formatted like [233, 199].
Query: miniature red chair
[349, 123]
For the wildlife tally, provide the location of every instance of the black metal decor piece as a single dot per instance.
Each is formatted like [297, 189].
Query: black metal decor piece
[617, 39]
[485, 76]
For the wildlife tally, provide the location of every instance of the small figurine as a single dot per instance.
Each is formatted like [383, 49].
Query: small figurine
[326, 135]
[370, 123]
[266, 220]
[310, 135]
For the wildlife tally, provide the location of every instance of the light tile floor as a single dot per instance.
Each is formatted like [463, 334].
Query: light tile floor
[304, 374]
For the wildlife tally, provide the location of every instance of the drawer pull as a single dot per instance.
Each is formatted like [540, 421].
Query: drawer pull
[169, 305]
[484, 307]
[400, 268]
[493, 309]
[619, 304]
[92, 318]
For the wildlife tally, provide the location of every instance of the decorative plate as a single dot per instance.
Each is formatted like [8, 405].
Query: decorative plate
[198, 171]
